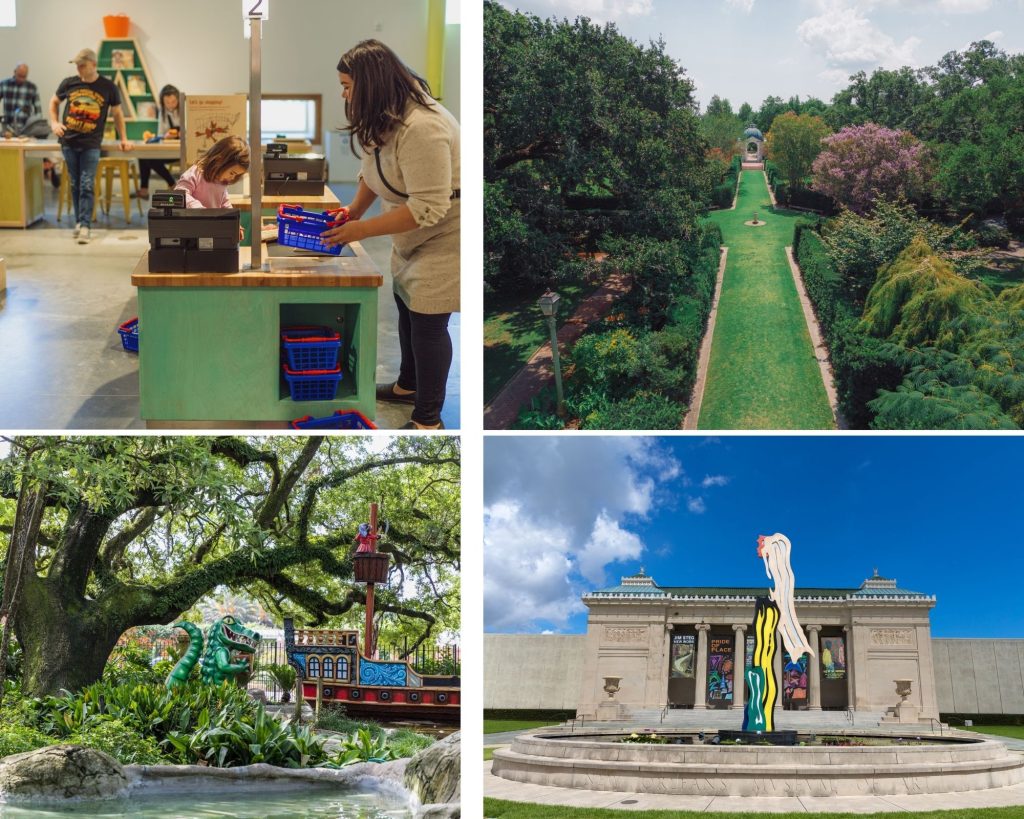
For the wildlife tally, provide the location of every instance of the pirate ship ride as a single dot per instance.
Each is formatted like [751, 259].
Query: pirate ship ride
[332, 668]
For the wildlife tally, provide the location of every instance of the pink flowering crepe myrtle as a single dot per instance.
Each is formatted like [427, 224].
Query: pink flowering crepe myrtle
[863, 163]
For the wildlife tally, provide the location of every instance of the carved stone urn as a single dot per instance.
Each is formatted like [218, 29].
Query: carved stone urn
[903, 688]
[611, 685]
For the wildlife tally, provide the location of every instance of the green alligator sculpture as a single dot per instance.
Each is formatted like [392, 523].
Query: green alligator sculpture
[223, 637]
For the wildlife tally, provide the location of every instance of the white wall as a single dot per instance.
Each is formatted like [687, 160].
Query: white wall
[198, 45]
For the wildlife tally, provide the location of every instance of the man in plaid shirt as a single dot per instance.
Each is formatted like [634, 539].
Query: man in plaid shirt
[21, 100]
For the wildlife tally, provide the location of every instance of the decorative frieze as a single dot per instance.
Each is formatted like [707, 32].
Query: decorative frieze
[622, 634]
[892, 637]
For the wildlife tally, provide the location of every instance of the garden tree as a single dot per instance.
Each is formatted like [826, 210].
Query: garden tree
[110, 533]
[718, 107]
[583, 131]
[744, 113]
[965, 177]
[793, 143]
[722, 131]
[892, 98]
[862, 164]
[770, 109]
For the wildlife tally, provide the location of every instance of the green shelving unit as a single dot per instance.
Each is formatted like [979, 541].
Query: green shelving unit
[131, 75]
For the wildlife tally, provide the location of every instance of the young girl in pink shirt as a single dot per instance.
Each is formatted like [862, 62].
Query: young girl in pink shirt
[206, 183]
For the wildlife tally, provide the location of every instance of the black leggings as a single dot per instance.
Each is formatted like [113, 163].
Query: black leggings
[426, 359]
[147, 166]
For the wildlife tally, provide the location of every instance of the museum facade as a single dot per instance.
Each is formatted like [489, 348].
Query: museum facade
[680, 647]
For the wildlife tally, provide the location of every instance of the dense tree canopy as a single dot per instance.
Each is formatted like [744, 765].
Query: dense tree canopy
[794, 142]
[585, 132]
[102, 534]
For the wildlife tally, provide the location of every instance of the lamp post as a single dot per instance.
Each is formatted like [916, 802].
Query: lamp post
[548, 304]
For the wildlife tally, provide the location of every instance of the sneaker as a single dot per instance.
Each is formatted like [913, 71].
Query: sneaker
[83, 236]
[77, 230]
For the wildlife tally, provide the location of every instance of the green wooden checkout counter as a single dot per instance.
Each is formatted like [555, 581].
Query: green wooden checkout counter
[210, 348]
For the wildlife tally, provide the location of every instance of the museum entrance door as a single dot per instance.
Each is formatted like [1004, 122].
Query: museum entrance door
[834, 668]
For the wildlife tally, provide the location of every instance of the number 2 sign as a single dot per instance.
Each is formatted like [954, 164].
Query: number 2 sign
[256, 8]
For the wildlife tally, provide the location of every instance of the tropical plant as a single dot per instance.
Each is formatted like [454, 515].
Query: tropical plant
[362, 746]
[284, 675]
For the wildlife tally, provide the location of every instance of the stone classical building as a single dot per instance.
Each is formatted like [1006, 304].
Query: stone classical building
[752, 143]
[680, 647]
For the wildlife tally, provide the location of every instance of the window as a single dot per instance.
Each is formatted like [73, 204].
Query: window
[328, 668]
[292, 116]
[313, 668]
[8, 16]
[342, 672]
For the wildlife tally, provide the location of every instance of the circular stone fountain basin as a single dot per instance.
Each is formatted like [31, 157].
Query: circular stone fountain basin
[601, 761]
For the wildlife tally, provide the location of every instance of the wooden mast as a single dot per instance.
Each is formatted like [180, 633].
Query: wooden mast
[369, 643]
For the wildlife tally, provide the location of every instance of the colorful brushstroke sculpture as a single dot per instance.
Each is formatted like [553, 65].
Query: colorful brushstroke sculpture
[777, 611]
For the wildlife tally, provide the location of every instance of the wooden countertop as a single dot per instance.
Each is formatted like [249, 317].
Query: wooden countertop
[305, 271]
[142, 150]
[315, 203]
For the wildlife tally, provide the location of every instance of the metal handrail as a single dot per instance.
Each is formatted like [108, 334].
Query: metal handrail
[932, 720]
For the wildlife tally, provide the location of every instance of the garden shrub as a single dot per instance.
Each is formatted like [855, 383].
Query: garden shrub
[645, 410]
[937, 405]
[991, 234]
[17, 739]
[123, 742]
[863, 366]
[608, 362]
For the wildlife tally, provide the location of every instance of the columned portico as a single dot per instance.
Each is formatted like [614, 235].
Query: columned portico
[814, 669]
[700, 701]
[684, 647]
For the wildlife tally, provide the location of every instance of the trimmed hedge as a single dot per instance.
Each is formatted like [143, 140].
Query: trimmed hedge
[801, 197]
[532, 714]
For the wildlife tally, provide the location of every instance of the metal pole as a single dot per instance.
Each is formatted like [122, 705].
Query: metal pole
[556, 361]
[368, 641]
[255, 148]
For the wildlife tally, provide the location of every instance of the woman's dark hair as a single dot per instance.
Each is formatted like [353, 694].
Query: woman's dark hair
[231, 150]
[382, 87]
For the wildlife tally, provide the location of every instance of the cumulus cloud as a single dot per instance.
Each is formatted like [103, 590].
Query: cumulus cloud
[743, 5]
[559, 512]
[929, 6]
[696, 505]
[848, 40]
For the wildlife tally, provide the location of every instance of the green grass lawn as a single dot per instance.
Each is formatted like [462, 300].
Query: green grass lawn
[763, 373]
[495, 808]
[496, 726]
[489, 754]
[1012, 731]
[514, 329]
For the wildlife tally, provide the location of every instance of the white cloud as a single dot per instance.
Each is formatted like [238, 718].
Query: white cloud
[714, 480]
[559, 511]
[848, 39]
[994, 36]
[743, 5]
[608, 543]
[929, 6]
[696, 505]
[526, 571]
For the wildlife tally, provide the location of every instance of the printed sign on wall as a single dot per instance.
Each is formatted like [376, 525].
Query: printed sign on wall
[833, 658]
[683, 655]
[720, 667]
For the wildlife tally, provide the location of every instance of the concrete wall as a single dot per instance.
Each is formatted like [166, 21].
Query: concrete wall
[198, 45]
[979, 676]
[972, 676]
[533, 671]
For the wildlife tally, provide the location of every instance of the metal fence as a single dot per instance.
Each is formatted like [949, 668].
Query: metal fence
[427, 659]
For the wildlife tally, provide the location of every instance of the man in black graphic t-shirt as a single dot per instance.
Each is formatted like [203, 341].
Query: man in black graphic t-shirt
[89, 97]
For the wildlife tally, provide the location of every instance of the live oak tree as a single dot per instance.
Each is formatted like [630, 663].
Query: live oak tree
[98, 535]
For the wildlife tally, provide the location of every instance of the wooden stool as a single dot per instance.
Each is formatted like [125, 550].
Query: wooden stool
[64, 194]
[127, 170]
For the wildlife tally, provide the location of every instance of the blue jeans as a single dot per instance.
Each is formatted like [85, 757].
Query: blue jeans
[81, 170]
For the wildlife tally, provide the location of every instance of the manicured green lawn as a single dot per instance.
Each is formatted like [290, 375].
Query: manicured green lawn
[1008, 273]
[514, 329]
[496, 726]
[1012, 731]
[495, 808]
[763, 373]
[489, 754]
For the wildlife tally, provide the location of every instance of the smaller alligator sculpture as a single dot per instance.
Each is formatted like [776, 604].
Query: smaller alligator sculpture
[223, 637]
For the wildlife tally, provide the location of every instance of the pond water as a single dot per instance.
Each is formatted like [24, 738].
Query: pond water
[311, 802]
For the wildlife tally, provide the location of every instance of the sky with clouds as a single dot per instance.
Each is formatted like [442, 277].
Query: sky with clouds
[746, 50]
[569, 514]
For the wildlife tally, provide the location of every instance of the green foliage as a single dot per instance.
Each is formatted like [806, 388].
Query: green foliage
[935, 405]
[362, 746]
[398, 743]
[645, 410]
[17, 739]
[586, 134]
[793, 144]
[190, 724]
[283, 674]
[123, 742]
[644, 739]
[860, 245]
[130, 665]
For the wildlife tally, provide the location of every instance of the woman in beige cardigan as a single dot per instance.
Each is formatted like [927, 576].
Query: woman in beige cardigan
[410, 159]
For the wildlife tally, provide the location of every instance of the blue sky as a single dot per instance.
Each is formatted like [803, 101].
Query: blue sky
[746, 50]
[942, 515]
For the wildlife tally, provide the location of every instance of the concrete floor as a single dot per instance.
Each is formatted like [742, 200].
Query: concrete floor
[63, 363]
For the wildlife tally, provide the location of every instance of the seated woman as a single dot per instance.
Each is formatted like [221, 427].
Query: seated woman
[168, 127]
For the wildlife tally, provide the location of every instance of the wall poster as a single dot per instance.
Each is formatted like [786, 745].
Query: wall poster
[683, 657]
[720, 667]
[833, 658]
[794, 679]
